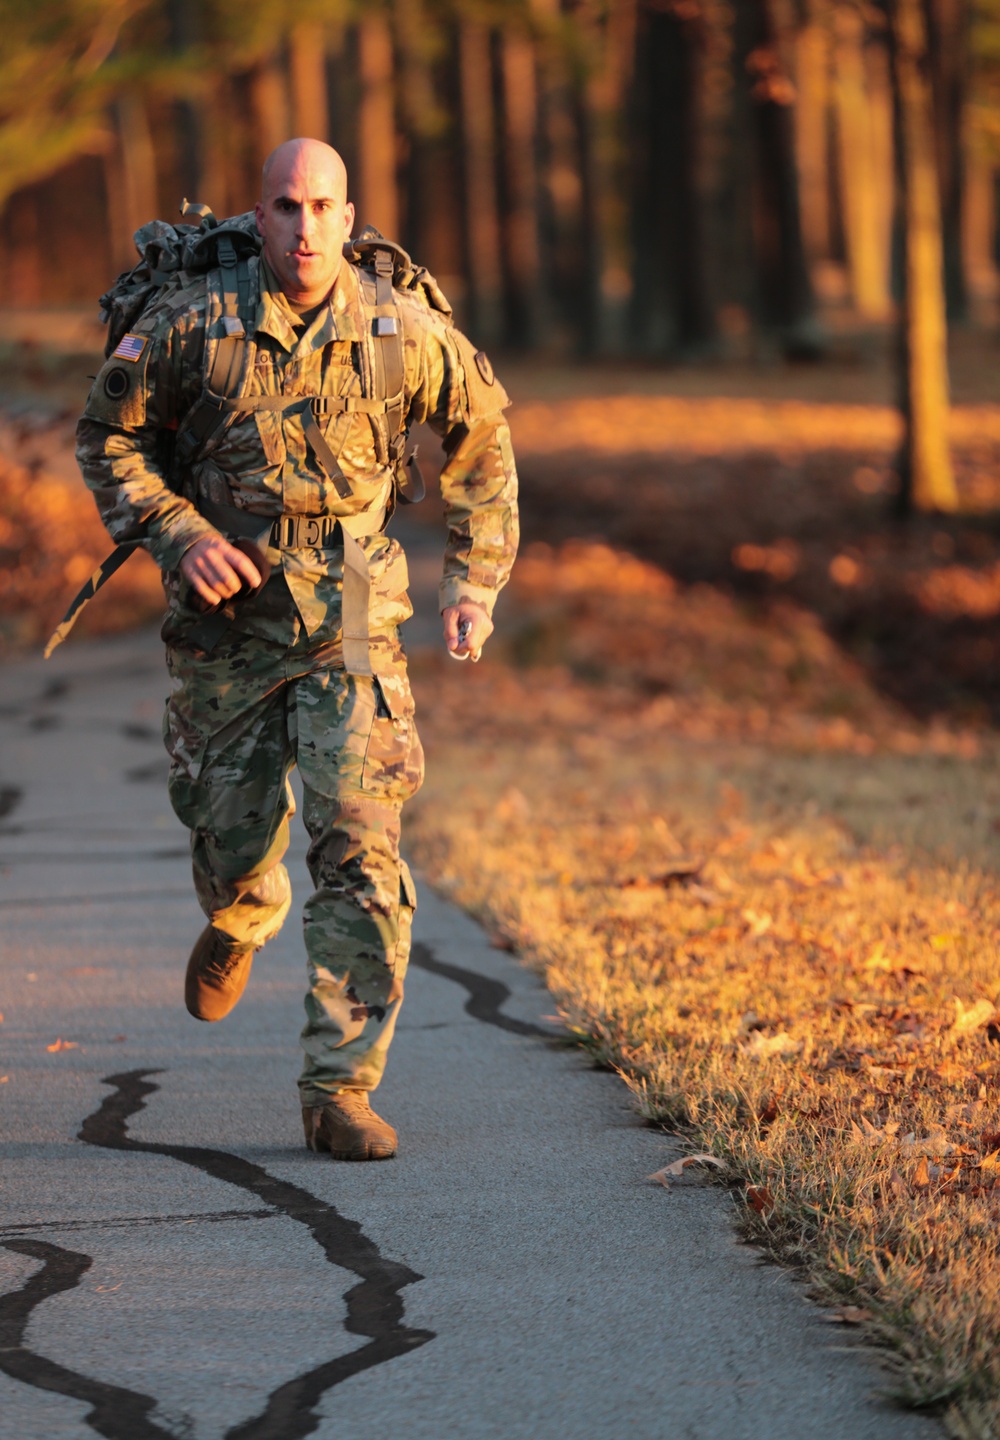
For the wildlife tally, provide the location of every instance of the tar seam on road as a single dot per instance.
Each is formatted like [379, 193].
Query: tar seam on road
[374, 1306]
[116, 1413]
[10, 798]
[485, 996]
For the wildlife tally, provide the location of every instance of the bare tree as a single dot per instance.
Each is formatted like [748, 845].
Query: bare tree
[479, 159]
[928, 482]
[378, 202]
[307, 79]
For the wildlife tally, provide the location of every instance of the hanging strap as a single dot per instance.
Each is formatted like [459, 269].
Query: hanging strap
[86, 593]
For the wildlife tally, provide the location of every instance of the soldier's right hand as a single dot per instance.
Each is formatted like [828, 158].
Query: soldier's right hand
[217, 571]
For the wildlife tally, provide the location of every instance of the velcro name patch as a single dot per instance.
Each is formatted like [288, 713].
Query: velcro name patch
[131, 347]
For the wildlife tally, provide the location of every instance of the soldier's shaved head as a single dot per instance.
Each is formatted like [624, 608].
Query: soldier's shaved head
[304, 216]
[314, 155]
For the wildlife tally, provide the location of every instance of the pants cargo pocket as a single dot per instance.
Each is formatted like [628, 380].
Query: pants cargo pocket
[394, 758]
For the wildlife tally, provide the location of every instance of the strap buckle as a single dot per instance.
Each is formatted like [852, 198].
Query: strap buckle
[299, 532]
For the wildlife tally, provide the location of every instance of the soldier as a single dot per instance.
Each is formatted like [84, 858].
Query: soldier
[294, 668]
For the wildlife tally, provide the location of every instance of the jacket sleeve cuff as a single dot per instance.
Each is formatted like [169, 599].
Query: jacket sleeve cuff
[170, 544]
[453, 589]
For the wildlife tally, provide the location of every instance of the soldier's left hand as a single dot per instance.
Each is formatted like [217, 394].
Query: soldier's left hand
[478, 627]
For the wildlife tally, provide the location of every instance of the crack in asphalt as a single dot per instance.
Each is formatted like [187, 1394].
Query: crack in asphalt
[116, 1413]
[485, 996]
[135, 1222]
[374, 1306]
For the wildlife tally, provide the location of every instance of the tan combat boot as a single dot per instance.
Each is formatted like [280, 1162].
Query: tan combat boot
[348, 1128]
[216, 976]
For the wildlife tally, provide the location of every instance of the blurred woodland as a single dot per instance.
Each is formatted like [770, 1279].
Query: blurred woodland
[658, 177]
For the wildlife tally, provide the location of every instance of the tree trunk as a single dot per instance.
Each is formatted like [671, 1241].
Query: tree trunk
[671, 309]
[948, 50]
[269, 106]
[928, 482]
[433, 219]
[603, 148]
[862, 184]
[979, 216]
[526, 317]
[307, 80]
[378, 202]
[786, 294]
[482, 219]
[812, 83]
[131, 173]
[189, 117]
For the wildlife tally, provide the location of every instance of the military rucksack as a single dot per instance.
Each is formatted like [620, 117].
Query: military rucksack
[223, 251]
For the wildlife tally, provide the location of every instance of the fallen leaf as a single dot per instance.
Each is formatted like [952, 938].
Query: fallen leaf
[974, 1017]
[761, 1046]
[758, 922]
[922, 1175]
[870, 1134]
[62, 1045]
[680, 873]
[990, 1161]
[759, 1198]
[848, 1315]
[677, 1167]
[768, 1112]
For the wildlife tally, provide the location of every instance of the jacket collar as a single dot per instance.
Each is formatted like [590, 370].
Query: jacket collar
[340, 319]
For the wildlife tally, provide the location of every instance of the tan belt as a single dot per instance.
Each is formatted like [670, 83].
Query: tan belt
[296, 532]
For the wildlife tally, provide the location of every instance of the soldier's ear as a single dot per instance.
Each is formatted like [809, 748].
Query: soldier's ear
[349, 218]
[258, 211]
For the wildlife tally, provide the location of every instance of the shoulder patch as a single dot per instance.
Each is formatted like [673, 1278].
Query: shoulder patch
[118, 395]
[130, 347]
[483, 393]
[484, 367]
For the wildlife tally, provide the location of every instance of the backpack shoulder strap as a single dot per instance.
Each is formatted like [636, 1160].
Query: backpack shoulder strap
[231, 308]
[378, 266]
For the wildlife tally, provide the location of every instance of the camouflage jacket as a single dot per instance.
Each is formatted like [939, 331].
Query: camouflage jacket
[263, 465]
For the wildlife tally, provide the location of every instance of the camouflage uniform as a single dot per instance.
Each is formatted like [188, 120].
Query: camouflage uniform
[272, 692]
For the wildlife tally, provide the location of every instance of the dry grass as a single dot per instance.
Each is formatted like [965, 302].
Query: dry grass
[767, 897]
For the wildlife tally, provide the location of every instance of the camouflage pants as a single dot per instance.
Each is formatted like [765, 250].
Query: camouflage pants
[237, 722]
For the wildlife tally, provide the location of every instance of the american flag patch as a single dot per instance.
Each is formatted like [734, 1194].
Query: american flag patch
[131, 347]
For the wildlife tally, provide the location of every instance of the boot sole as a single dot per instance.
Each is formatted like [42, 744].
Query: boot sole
[367, 1154]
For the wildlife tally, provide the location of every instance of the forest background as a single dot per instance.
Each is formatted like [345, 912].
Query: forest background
[642, 177]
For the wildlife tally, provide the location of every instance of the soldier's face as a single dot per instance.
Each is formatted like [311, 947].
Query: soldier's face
[304, 217]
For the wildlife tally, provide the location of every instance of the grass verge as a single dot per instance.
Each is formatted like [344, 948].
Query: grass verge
[766, 896]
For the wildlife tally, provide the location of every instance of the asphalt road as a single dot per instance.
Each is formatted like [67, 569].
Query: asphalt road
[173, 1262]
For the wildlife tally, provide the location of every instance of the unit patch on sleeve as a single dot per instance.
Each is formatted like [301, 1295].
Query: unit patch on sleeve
[131, 347]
